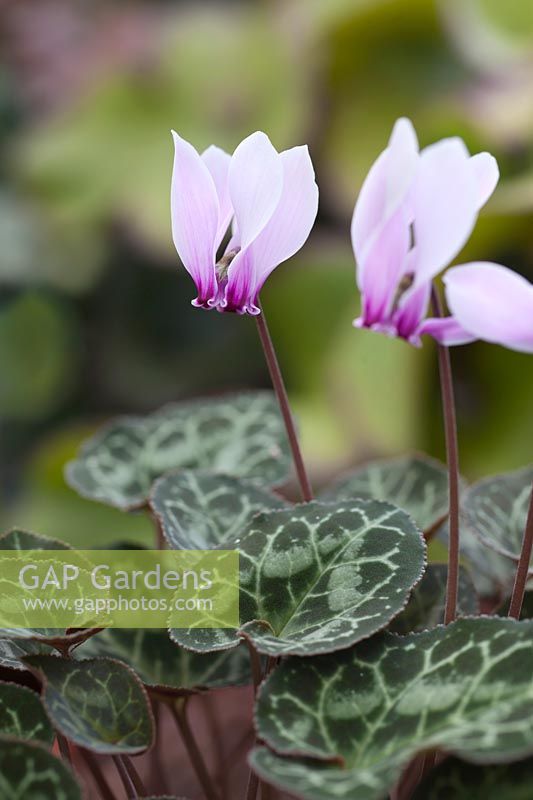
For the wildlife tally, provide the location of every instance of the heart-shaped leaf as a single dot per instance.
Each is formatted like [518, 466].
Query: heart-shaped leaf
[495, 509]
[29, 772]
[465, 688]
[98, 703]
[240, 435]
[200, 510]
[317, 578]
[13, 650]
[461, 781]
[22, 714]
[425, 608]
[60, 638]
[417, 484]
[165, 667]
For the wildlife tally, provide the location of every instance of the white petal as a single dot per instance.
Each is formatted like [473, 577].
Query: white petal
[195, 216]
[493, 303]
[293, 219]
[445, 203]
[255, 184]
[217, 162]
[487, 175]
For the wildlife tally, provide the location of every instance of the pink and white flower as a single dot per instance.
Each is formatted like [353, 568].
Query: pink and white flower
[414, 214]
[272, 200]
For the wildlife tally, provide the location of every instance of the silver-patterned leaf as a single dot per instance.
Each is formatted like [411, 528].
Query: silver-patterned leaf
[425, 608]
[29, 772]
[495, 509]
[319, 577]
[22, 714]
[13, 650]
[241, 435]
[165, 667]
[98, 703]
[201, 510]
[458, 780]
[465, 688]
[416, 483]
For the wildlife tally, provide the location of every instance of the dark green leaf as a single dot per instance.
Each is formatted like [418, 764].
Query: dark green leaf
[417, 484]
[318, 578]
[495, 509]
[13, 650]
[24, 540]
[240, 435]
[98, 703]
[22, 714]
[200, 510]
[464, 688]
[425, 608]
[29, 772]
[457, 780]
[162, 665]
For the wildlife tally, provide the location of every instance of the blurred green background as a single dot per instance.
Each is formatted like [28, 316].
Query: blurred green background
[95, 314]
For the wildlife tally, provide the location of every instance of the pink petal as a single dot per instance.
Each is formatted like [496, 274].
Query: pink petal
[487, 175]
[195, 217]
[446, 202]
[445, 330]
[384, 189]
[217, 162]
[255, 185]
[411, 311]
[384, 267]
[493, 303]
[293, 219]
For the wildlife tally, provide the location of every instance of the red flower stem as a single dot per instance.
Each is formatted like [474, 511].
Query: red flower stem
[97, 775]
[125, 777]
[195, 756]
[283, 400]
[452, 457]
[522, 570]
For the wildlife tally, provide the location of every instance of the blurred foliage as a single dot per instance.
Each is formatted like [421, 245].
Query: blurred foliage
[94, 308]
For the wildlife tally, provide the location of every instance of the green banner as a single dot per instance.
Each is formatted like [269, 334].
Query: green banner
[59, 589]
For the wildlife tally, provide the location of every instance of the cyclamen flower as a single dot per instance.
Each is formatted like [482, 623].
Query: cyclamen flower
[272, 199]
[492, 302]
[415, 212]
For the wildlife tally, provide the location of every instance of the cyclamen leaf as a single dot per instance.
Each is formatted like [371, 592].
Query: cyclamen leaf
[165, 667]
[241, 435]
[200, 510]
[98, 703]
[461, 781]
[12, 651]
[29, 771]
[56, 637]
[496, 510]
[417, 484]
[22, 714]
[465, 688]
[425, 608]
[317, 578]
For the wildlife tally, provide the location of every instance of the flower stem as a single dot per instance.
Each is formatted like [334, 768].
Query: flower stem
[452, 457]
[197, 761]
[97, 774]
[125, 777]
[522, 570]
[283, 400]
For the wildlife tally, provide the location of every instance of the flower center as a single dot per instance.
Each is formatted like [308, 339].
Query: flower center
[223, 265]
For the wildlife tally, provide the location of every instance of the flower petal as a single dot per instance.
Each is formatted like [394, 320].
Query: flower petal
[411, 311]
[293, 219]
[217, 162]
[493, 303]
[446, 330]
[384, 189]
[255, 185]
[487, 175]
[195, 217]
[446, 203]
